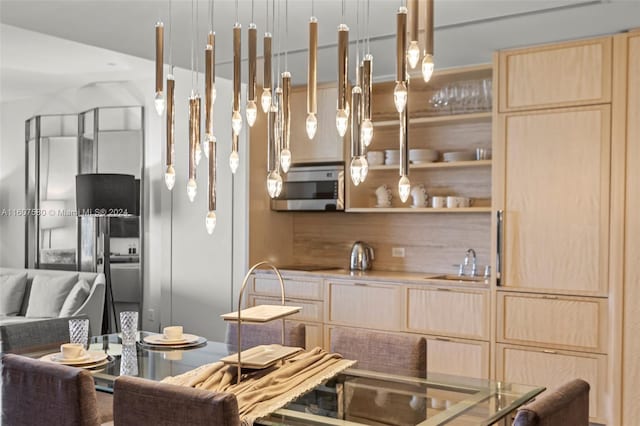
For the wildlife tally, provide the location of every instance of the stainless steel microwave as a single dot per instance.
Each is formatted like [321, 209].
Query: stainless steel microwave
[312, 187]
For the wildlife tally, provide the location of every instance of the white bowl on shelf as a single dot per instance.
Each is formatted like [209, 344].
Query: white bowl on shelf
[459, 156]
[375, 158]
[423, 155]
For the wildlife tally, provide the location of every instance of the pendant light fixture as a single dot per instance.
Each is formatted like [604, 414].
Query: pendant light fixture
[404, 185]
[234, 158]
[210, 143]
[312, 77]
[366, 127]
[400, 90]
[236, 117]
[159, 99]
[192, 186]
[274, 180]
[413, 52]
[252, 108]
[170, 173]
[265, 100]
[342, 114]
[285, 154]
[356, 145]
[427, 61]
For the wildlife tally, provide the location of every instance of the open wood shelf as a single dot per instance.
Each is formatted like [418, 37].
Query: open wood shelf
[417, 210]
[436, 165]
[449, 119]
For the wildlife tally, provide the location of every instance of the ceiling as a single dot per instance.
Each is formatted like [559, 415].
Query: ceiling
[467, 32]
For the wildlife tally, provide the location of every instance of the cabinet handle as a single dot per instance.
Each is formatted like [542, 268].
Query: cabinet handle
[546, 296]
[443, 339]
[361, 284]
[443, 289]
[499, 238]
[549, 351]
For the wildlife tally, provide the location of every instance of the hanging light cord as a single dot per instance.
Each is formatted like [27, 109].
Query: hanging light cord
[357, 42]
[313, 8]
[368, 28]
[197, 56]
[170, 40]
[286, 31]
[236, 11]
[266, 24]
[193, 78]
[279, 51]
[343, 11]
[252, 9]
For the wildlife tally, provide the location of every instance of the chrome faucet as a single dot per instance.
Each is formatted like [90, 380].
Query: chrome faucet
[474, 264]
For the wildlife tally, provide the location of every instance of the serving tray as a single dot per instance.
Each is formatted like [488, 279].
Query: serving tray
[262, 313]
[262, 356]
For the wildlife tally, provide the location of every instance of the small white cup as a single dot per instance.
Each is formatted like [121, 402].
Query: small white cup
[458, 202]
[438, 202]
[383, 195]
[173, 332]
[72, 350]
[419, 195]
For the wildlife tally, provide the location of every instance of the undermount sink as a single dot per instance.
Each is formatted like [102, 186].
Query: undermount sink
[465, 278]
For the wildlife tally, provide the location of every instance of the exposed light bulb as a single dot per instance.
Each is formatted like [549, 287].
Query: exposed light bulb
[356, 170]
[274, 184]
[413, 54]
[198, 153]
[214, 93]
[342, 122]
[192, 189]
[170, 177]
[366, 131]
[234, 161]
[285, 160]
[236, 122]
[252, 113]
[404, 188]
[205, 150]
[266, 100]
[210, 221]
[400, 96]
[427, 67]
[364, 168]
[312, 125]
[159, 103]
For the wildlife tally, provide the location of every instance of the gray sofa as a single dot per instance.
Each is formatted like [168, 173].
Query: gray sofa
[90, 305]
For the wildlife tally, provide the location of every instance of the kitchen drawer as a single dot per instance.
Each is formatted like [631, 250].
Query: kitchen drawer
[296, 287]
[562, 74]
[458, 357]
[452, 312]
[311, 310]
[551, 368]
[365, 304]
[567, 322]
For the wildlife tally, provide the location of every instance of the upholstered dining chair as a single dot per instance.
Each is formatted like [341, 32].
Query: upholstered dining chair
[145, 402]
[265, 334]
[384, 352]
[34, 336]
[36, 392]
[567, 405]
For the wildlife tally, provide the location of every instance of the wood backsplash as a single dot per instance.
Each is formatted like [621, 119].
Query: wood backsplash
[432, 242]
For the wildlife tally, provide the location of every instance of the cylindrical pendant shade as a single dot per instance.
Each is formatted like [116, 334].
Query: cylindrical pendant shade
[286, 109]
[105, 194]
[367, 70]
[208, 91]
[404, 140]
[267, 61]
[343, 63]
[159, 55]
[312, 72]
[192, 137]
[212, 175]
[428, 31]
[211, 40]
[170, 120]
[356, 118]
[413, 20]
[237, 51]
[253, 49]
[272, 151]
[197, 121]
[401, 44]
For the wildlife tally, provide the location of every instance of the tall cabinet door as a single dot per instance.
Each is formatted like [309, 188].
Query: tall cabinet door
[556, 199]
[631, 359]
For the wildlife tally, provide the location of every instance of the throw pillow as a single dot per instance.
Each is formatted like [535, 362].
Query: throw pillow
[12, 289]
[75, 299]
[48, 294]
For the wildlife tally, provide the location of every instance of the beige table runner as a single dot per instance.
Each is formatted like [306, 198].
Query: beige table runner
[264, 391]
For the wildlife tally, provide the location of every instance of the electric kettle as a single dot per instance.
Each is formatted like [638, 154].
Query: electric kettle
[361, 256]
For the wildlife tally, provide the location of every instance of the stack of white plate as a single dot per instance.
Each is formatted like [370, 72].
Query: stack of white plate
[392, 156]
[375, 158]
[459, 156]
[417, 156]
[90, 360]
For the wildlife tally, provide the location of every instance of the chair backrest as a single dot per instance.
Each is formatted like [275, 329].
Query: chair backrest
[36, 392]
[384, 352]
[33, 336]
[139, 401]
[265, 334]
[567, 405]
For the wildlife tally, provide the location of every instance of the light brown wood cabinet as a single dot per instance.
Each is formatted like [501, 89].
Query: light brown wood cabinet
[574, 73]
[552, 368]
[555, 168]
[296, 287]
[458, 357]
[569, 322]
[327, 144]
[448, 311]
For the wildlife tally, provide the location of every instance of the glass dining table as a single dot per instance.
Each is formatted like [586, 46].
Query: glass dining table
[353, 397]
